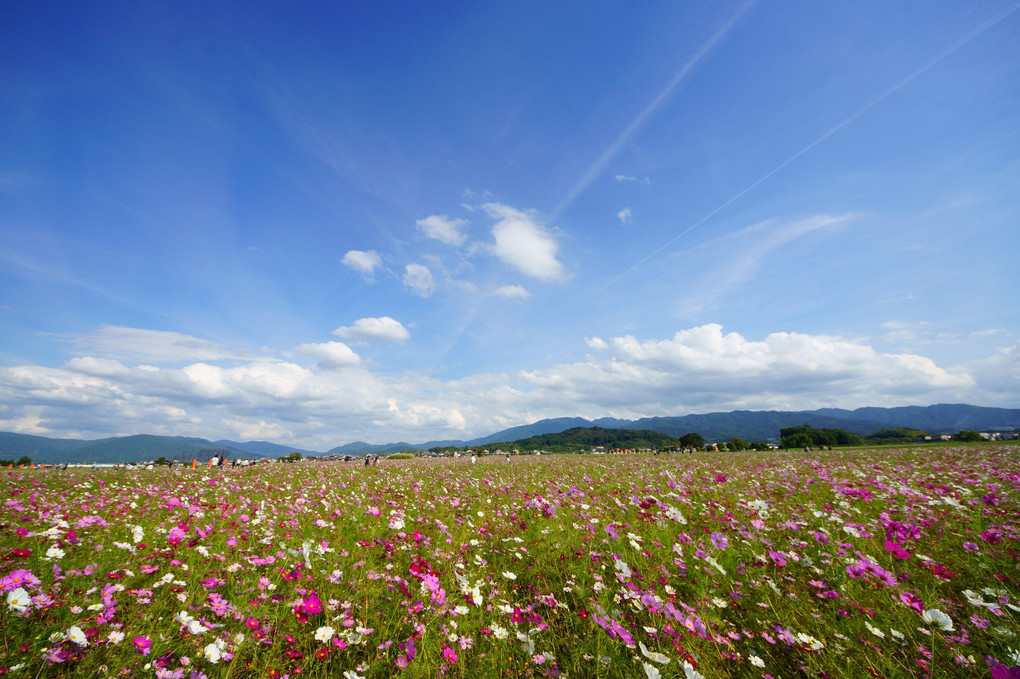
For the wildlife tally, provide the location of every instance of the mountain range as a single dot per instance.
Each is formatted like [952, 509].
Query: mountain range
[749, 425]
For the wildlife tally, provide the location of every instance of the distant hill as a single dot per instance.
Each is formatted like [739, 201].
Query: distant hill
[586, 438]
[263, 448]
[765, 425]
[360, 448]
[138, 448]
[551, 426]
[748, 425]
[944, 418]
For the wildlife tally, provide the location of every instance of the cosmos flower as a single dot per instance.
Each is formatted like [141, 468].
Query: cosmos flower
[212, 653]
[18, 600]
[324, 633]
[75, 634]
[142, 645]
[936, 618]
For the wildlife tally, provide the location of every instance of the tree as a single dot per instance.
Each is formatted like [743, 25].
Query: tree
[24, 460]
[737, 443]
[692, 440]
[964, 435]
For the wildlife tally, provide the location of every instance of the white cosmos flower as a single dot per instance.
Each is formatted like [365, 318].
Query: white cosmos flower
[691, 673]
[810, 641]
[756, 661]
[115, 637]
[212, 653]
[18, 599]
[509, 576]
[936, 618]
[651, 671]
[54, 552]
[195, 627]
[75, 634]
[656, 657]
[874, 630]
[324, 634]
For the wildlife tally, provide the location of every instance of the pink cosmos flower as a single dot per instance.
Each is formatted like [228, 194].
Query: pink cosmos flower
[142, 645]
[896, 550]
[912, 601]
[449, 654]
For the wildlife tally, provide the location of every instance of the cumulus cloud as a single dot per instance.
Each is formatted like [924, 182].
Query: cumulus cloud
[511, 292]
[442, 228]
[419, 279]
[259, 430]
[624, 215]
[362, 261]
[523, 243]
[341, 398]
[382, 328]
[785, 370]
[330, 355]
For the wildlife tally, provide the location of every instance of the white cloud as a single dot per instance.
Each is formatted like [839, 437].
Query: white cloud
[696, 370]
[746, 253]
[523, 243]
[624, 215]
[511, 292]
[259, 430]
[382, 328]
[419, 279]
[365, 262]
[621, 178]
[442, 228]
[156, 346]
[330, 355]
[904, 331]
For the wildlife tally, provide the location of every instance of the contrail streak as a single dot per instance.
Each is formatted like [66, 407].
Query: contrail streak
[599, 166]
[981, 28]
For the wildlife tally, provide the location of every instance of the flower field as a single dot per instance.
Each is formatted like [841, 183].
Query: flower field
[884, 563]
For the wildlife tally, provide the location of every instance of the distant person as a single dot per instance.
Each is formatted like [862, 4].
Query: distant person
[368, 460]
[473, 458]
[214, 461]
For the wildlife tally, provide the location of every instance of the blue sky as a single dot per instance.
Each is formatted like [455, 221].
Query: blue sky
[322, 223]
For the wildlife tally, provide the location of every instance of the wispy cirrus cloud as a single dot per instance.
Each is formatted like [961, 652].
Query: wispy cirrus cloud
[147, 346]
[599, 166]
